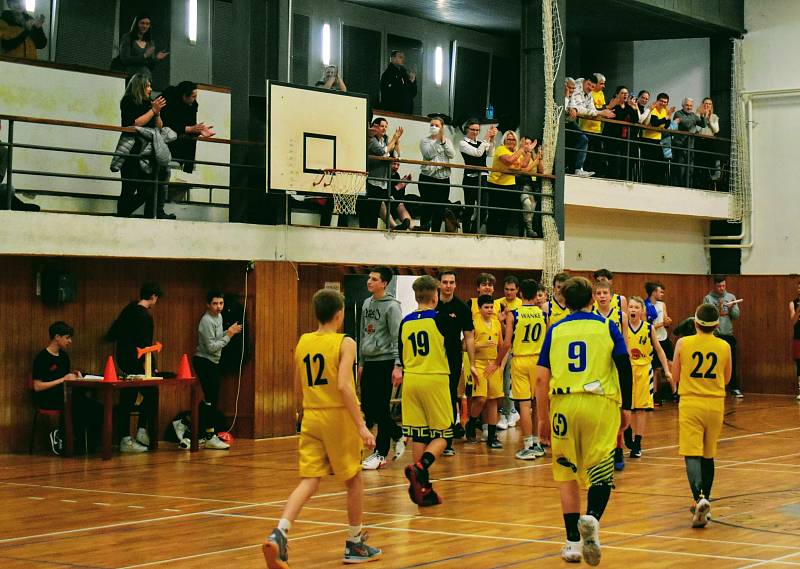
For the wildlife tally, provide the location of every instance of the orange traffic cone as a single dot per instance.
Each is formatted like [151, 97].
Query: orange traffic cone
[110, 374]
[184, 369]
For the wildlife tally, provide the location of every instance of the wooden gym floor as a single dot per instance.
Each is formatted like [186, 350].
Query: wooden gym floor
[212, 510]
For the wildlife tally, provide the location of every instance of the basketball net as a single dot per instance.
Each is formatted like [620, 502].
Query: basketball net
[345, 185]
[741, 193]
[553, 40]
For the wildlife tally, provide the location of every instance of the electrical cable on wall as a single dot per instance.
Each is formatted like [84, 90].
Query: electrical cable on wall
[241, 358]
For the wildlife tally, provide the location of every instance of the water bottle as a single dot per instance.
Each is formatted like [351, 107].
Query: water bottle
[490, 112]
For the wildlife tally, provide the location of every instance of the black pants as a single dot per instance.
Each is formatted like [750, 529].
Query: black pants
[455, 377]
[731, 340]
[653, 164]
[472, 196]
[134, 194]
[87, 416]
[437, 191]
[376, 392]
[210, 376]
[127, 404]
[504, 197]
[369, 209]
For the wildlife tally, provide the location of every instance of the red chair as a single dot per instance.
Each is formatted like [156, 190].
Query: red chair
[37, 413]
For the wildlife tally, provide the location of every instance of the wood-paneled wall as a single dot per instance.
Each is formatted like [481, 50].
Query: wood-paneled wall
[104, 286]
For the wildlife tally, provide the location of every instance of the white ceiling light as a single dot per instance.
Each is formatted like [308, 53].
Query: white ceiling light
[191, 24]
[326, 44]
[438, 60]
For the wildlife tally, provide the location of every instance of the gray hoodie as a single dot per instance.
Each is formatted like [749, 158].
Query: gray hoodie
[380, 324]
[725, 321]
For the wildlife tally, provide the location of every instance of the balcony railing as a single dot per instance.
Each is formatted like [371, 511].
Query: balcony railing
[490, 201]
[680, 158]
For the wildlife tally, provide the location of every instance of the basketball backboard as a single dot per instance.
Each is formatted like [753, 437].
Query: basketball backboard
[310, 130]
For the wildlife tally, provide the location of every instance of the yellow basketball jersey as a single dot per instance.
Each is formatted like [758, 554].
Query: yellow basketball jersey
[529, 330]
[316, 359]
[503, 304]
[616, 301]
[578, 351]
[641, 343]
[422, 344]
[486, 333]
[704, 358]
[557, 312]
[614, 314]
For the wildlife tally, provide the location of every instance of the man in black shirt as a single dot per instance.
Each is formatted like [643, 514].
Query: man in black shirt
[398, 86]
[133, 329]
[459, 322]
[51, 368]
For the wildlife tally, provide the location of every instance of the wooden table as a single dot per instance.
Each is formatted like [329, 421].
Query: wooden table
[106, 389]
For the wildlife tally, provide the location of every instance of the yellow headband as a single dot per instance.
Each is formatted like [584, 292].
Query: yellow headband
[704, 323]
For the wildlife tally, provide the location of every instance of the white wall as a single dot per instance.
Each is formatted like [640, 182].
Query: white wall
[680, 68]
[634, 242]
[770, 52]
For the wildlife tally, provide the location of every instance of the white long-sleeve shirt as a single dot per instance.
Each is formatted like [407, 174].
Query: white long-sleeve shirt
[583, 102]
[435, 151]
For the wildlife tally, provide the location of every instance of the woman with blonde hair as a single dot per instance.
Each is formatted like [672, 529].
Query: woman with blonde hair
[510, 158]
[138, 110]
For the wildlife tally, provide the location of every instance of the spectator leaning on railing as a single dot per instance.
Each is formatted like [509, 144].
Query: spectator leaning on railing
[20, 33]
[596, 144]
[510, 159]
[474, 152]
[434, 181]
[583, 103]
[712, 171]
[377, 182]
[659, 117]
[180, 114]
[686, 120]
[624, 110]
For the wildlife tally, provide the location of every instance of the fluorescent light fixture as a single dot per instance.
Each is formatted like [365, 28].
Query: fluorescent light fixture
[191, 24]
[326, 44]
[30, 5]
[438, 62]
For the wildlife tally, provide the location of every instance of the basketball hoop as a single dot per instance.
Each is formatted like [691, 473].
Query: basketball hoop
[345, 185]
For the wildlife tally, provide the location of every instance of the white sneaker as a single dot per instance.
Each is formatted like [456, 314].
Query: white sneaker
[215, 443]
[127, 444]
[798, 397]
[526, 454]
[374, 462]
[185, 444]
[180, 429]
[142, 437]
[581, 173]
[399, 448]
[513, 419]
[538, 450]
[700, 517]
[571, 552]
[590, 537]
[502, 423]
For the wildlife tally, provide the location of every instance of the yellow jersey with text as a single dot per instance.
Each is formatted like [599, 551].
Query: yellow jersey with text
[579, 352]
[530, 327]
[502, 304]
[316, 359]
[421, 344]
[486, 333]
[614, 314]
[588, 125]
[640, 341]
[704, 358]
[654, 134]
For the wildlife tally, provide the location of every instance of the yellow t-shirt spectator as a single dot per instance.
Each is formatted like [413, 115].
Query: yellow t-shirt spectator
[654, 134]
[590, 125]
[500, 178]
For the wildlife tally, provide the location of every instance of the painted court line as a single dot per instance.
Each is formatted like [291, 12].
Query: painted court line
[779, 560]
[747, 436]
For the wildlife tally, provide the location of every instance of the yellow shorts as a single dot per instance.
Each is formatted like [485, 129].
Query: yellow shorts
[583, 437]
[329, 442]
[699, 425]
[642, 387]
[427, 409]
[492, 387]
[523, 377]
[466, 377]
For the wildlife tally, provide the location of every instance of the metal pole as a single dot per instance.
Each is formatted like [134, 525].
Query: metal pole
[478, 221]
[9, 180]
[156, 189]
[628, 155]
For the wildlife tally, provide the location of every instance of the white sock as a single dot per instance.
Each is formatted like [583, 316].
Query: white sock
[528, 442]
[535, 440]
[284, 525]
[354, 533]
